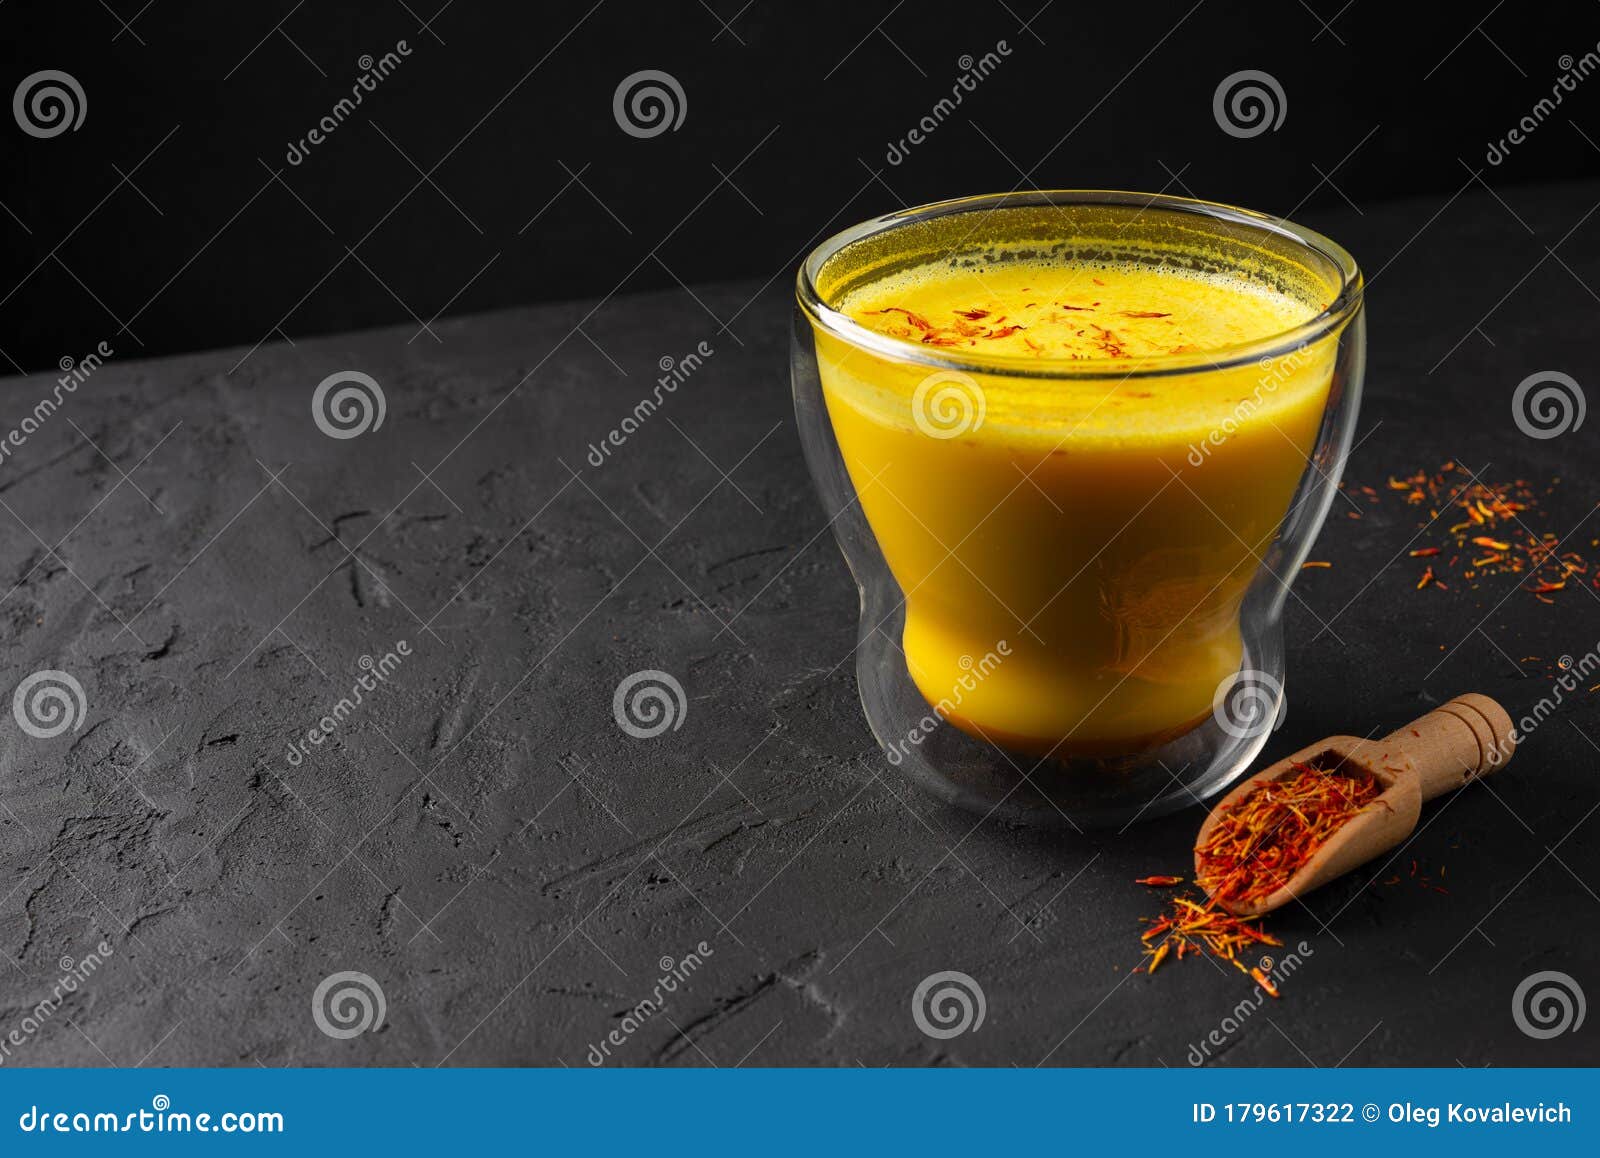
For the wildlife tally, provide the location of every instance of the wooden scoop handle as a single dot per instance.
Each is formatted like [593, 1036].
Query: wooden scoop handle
[1459, 741]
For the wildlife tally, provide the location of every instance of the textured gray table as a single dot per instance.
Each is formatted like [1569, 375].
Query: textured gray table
[510, 868]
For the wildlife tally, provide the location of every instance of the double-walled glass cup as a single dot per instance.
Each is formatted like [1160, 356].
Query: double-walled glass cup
[1073, 572]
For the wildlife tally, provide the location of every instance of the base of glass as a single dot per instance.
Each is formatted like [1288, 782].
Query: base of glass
[1077, 792]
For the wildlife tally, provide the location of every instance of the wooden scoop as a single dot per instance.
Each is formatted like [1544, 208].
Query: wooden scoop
[1460, 741]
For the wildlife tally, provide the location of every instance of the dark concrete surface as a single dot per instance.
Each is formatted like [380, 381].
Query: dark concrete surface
[481, 839]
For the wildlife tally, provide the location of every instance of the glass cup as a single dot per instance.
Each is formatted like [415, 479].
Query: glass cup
[1072, 590]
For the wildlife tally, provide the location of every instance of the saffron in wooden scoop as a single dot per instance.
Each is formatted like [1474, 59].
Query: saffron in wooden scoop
[1337, 804]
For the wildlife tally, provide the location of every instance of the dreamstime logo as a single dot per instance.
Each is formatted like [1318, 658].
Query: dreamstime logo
[948, 1004]
[973, 672]
[373, 73]
[374, 672]
[1547, 404]
[674, 975]
[1548, 1004]
[74, 974]
[674, 373]
[49, 103]
[355, 408]
[973, 73]
[347, 1005]
[48, 703]
[1248, 704]
[649, 103]
[1248, 103]
[948, 404]
[74, 373]
[1275, 371]
[1573, 72]
[1575, 673]
[1271, 974]
[649, 702]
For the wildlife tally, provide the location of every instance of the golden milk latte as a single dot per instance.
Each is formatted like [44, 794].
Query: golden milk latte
[1105, 521]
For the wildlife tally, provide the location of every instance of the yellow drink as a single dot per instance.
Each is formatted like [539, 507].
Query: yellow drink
[1105, 525]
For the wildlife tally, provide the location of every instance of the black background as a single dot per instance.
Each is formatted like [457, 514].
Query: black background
[499, 104]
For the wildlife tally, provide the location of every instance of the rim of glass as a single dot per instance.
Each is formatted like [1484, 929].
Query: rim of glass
[1346, 301]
